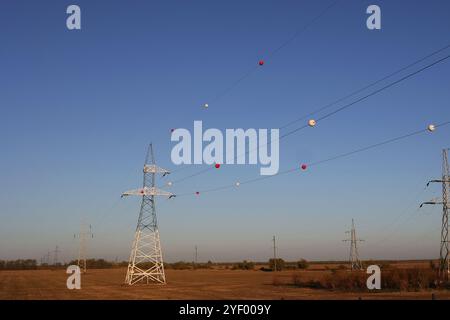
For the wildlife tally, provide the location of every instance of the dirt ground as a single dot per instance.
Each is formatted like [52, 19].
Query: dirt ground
[182, 284]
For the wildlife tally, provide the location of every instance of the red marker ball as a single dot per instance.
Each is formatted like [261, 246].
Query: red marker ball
[172, 130]
[217, 166]
[197, 193]
[304, 166]
[261, 62]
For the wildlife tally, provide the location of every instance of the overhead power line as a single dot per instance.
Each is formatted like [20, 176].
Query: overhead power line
[348, 105]
[297, 169]
[353, 93]
[272, 53]
[377, 144]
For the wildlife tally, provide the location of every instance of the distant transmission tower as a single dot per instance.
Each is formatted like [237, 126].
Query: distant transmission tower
[55, 256]
[85, 232]
[355, 263]
[444, 267]
[274, 254]
[45, 260]
[146, 261]
[196, 255]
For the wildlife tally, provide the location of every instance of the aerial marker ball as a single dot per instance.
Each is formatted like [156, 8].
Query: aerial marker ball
[431, 127]
[206, 106]
[304, 167]
[169, 183]
[261, 62]
[312, 123]
[197, 193]
[217, 165]
[238, 184]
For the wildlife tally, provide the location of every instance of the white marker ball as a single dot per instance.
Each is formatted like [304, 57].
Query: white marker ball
[169, 183]
[431, 127]
[206, 105]
[238, 184]
[312, 123]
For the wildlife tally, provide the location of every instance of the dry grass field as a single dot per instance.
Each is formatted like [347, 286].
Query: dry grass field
[184, 284]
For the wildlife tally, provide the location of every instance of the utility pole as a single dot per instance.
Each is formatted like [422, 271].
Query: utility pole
[82, 249]
[444, 266]
[274, 253]
[146, 260]
[355, 263]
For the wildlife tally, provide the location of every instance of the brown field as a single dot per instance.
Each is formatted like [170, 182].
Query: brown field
[186, 284]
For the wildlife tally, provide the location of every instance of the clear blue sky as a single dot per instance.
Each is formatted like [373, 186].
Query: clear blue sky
[78, 109]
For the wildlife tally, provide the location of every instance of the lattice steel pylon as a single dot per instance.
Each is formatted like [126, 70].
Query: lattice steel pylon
[146, 260]
[55, 256]
[355, 262]
[444, 263]
[82, 249]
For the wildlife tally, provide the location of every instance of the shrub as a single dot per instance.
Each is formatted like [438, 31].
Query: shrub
[245, 265]
[344, 280]
[279, 263]
[313, 284]
[409, 279]
[302, 264]
[394, 279]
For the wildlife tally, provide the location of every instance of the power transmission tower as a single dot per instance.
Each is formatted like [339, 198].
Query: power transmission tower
[274, 254]
[196, 255]
[45, 260]
[355, 263]
[55, 256]
[146, 261]
[444, 267]
[82, 249]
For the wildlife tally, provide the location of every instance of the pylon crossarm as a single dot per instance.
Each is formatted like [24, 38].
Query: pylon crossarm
[151, 168]
[147, 191]
[438, 181]
[430, 202]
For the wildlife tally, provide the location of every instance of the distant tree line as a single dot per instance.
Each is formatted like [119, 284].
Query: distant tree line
[31, 264]
[95, 263]
[21, 264]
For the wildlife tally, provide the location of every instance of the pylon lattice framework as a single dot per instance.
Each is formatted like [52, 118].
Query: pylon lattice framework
[146, 260]
[82, 249]
[55, 256]
[355, 262]
[444, 266]
[444, 263]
